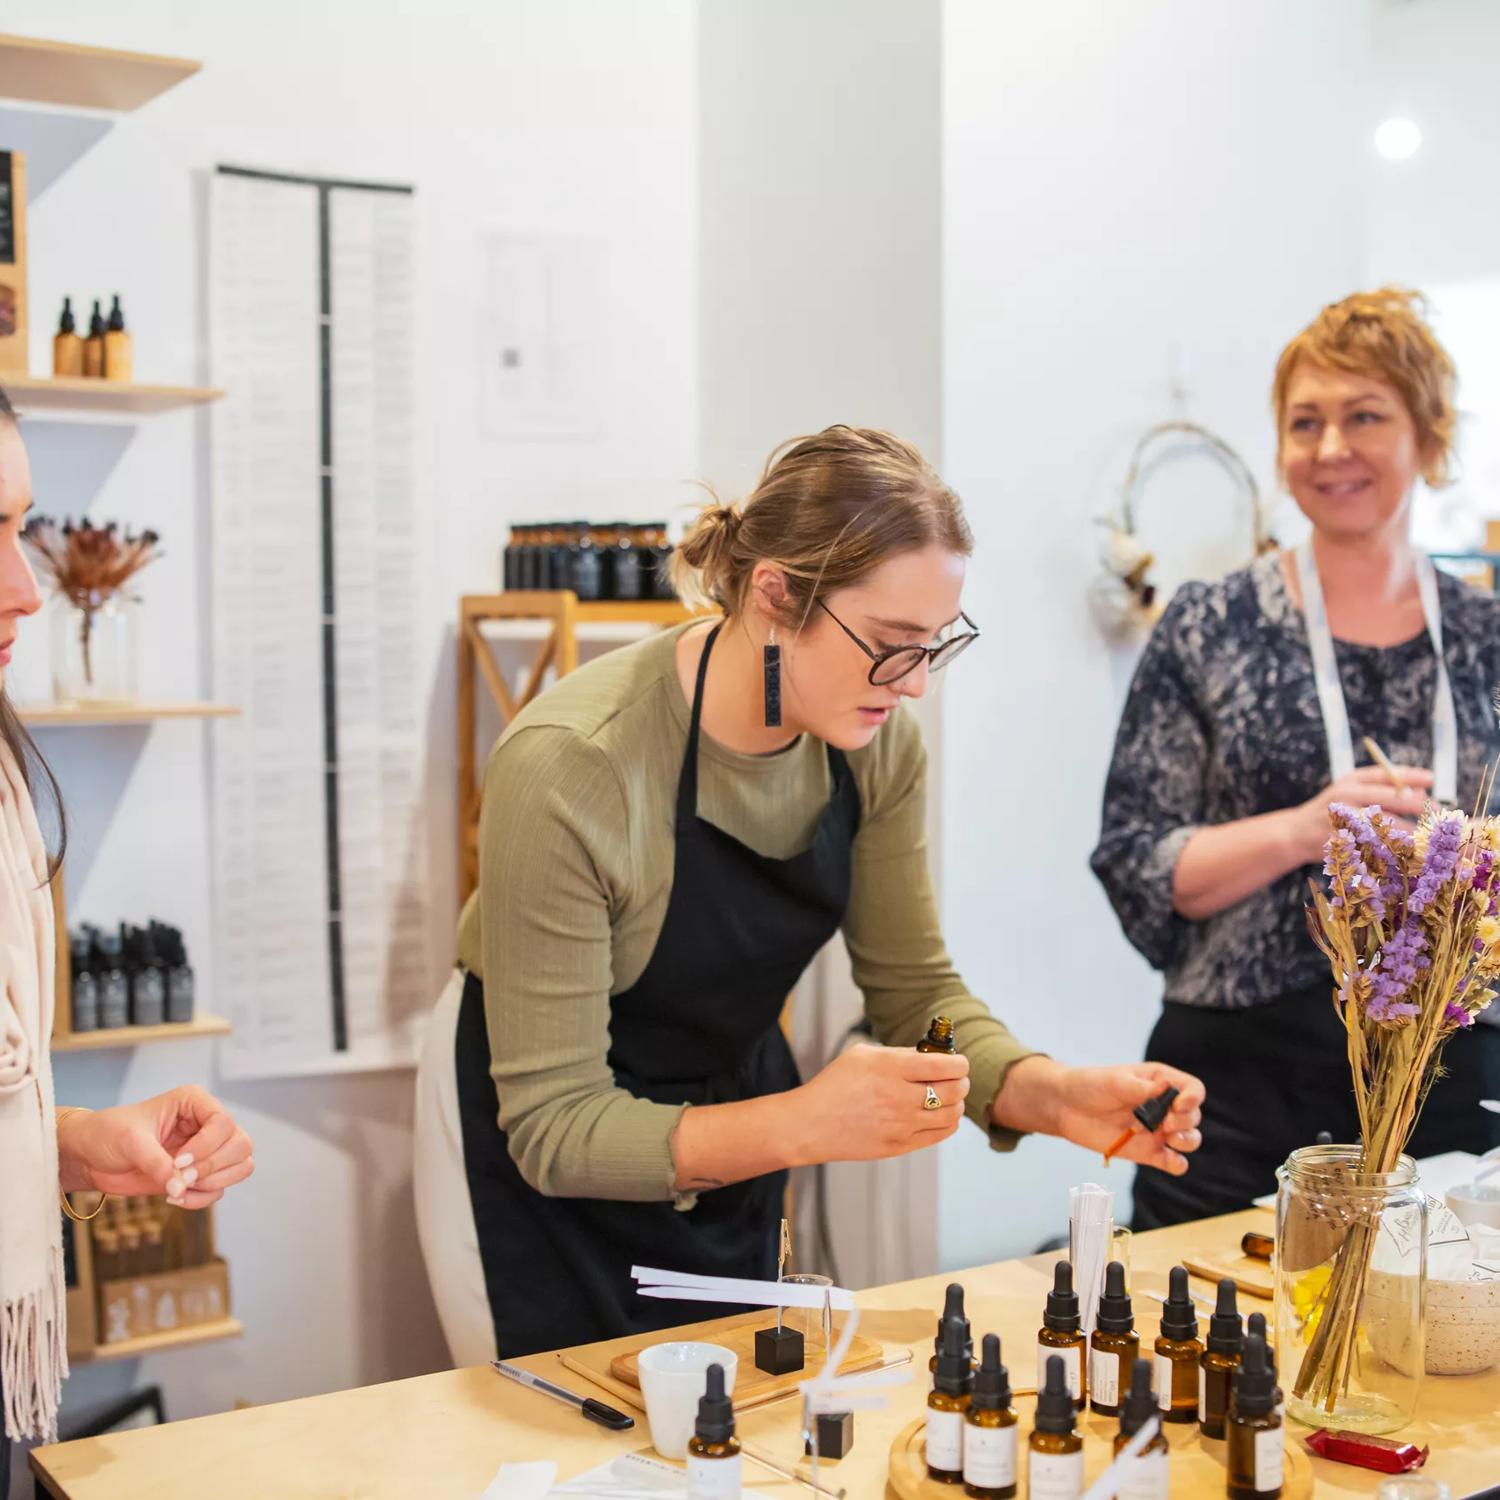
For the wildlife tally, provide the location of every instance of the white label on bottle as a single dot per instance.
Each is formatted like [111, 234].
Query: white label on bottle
[1055, 1476]
[989, 1456]
[1072, 1368]
[713, 1478]
[1270, 1455]
[1145, 1478]
[1163, 1382]
[1202, 1394]
[1104, 1378]
[945, 1441]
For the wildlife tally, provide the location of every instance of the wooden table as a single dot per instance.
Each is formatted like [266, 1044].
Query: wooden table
[444, 1435]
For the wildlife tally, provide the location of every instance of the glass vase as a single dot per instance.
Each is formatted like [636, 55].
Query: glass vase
[93, 650]
[1351, 1282]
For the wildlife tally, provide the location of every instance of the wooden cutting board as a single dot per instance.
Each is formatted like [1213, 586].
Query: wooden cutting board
[612, 1364]
[1195, 1464]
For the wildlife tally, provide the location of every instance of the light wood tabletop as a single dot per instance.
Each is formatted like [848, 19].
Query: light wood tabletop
[444, 1435]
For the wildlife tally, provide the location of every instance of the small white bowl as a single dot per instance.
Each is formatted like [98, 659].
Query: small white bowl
[1463, 1326]
[1475, 1203]
[673, 1378]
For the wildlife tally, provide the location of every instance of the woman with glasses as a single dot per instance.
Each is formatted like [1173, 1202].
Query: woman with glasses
[1252, 710]
[668, 837]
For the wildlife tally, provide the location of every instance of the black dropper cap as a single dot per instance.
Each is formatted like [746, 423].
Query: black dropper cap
[1255, 1380]
[1226, 1334]
[1179, 1317]
[1139, 1405]
[1115, 1314]
[116, 316]
[96, 320]
[955, 1366]
[1054, 1402]
[1154, 1111]
[953, 1307]
[715, 1422]
[1256, 1324]
[992, 1383]
[1323, 1138]
[1062, 1315]
[67, 324]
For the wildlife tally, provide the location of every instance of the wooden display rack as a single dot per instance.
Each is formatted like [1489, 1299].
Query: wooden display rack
[561, 612]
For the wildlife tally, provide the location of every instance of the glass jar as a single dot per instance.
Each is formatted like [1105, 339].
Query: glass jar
[93, 649]
[1351, 1280]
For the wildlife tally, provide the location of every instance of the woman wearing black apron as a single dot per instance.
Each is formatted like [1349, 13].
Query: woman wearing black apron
[1248, 716]
[668, 838]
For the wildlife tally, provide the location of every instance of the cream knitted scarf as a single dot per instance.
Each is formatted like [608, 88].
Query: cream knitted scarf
[33, 1343]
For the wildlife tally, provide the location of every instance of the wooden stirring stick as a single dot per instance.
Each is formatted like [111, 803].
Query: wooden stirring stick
[1382, 760]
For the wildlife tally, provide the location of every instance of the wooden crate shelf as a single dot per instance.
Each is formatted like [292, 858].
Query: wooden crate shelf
[93, 715]
[140, 1036]
[156, 1343]
[66, 73]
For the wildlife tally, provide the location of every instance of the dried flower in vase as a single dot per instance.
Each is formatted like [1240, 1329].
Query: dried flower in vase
[88, 565]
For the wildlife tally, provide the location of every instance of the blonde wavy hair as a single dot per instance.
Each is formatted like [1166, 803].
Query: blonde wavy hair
[1383, 335]
[828, 510]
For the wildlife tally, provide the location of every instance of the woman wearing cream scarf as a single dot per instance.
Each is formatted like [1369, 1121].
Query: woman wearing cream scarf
[183, 1144]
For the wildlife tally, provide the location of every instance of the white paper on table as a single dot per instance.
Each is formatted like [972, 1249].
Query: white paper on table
[523, 1481]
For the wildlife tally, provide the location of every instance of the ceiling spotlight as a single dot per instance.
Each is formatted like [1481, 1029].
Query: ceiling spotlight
[1398, 138]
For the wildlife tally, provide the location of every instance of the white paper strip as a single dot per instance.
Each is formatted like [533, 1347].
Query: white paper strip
[1107, 1485]
[658, 1283]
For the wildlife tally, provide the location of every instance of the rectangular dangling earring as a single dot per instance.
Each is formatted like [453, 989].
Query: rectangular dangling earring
[772, 655]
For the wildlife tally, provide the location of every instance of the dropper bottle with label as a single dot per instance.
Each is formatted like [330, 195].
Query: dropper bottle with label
[948, 1404]
[1054, 1459]
[1226, 1341]
[990, 1430]
[953, 1307]
[1256, 1450]
[1062, 1334]
[1114, 1346]
[1146, 1474]
[1178, 1352]
[713, 1455]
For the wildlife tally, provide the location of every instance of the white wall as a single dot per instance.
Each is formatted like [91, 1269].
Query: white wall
[555, 115]
[819, 302]
[1115, 177]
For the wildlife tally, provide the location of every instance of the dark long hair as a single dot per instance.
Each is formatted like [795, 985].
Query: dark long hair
[29, 759]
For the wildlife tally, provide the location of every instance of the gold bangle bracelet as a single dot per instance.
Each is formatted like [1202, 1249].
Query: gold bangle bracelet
[77, 1217]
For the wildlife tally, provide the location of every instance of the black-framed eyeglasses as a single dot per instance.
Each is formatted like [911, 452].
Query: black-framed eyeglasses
[891, 666]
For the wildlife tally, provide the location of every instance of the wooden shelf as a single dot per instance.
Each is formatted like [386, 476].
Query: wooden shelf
[85, 715]
[36, 393]
[43, 72]
[140, 1036]
[155, 1343]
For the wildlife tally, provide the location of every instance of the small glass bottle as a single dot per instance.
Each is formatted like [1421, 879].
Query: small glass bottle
[1145, 1477]
[106, 1253]
[948, 1403]
[1054, 1460]
[1114, 1346]
[953, 1307]
[83, 986]
[1178, 1352]
[526, 557]
[625, 560]
[93, 349]
[119, 356]
[1255, 1454]
[713, 1454]
[1226, 1338]
[114, 987]
[990, 1430]
[1061, 1334]
[588, 566]
[510, 562]
[1256, 1324]
[939, 1036]
[67, 347]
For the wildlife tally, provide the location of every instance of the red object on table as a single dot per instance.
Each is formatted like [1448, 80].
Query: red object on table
[1384, 1455]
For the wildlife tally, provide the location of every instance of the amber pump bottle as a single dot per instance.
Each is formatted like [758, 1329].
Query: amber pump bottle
[948, 1404]
[939, 1036]
[953, 1307]
[1178, 1352]
[1256, 1448]
[1146, 1475]
[1114, 1346]
[713, 1455]
[1054, 1460]
[1062, 1334]
[990, 1430]
[1226, 1341]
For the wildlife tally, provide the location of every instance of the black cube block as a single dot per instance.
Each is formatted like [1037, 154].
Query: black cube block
[778, 1351]
[835, 1434]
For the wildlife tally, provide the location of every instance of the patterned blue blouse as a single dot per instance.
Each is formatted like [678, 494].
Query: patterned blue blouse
[1222, 722]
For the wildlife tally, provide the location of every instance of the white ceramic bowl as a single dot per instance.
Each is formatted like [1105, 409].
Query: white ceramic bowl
[1463, 1326]
[673, 1379]
[1476, 1203]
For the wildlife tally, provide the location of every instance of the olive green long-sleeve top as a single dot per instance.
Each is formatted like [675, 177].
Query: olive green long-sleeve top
[575, 869]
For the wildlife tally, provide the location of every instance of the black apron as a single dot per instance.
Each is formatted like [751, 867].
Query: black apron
[1276, 1075]
[700, 1026]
